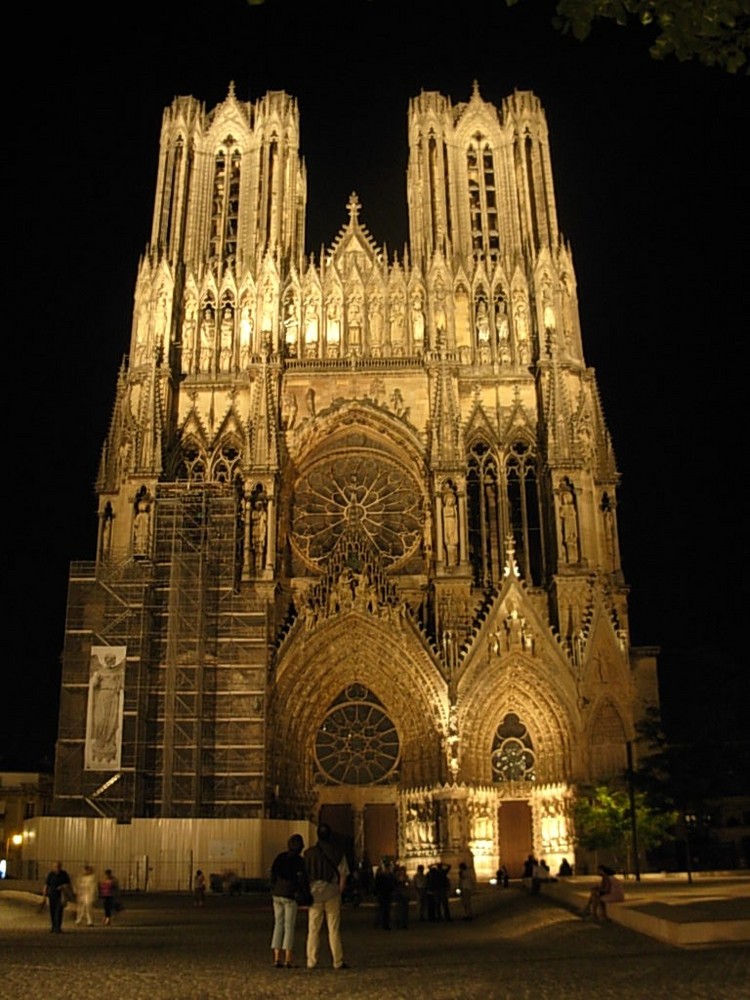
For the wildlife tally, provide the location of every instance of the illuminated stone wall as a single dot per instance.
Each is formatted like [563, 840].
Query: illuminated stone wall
[358, 513]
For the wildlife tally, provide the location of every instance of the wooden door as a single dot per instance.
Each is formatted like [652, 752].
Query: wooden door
[514, 820]
[381, 832]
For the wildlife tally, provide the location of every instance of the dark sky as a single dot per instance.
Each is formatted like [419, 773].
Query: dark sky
[651, 183]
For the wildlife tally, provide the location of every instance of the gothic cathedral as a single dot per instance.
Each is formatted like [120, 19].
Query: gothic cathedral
[357, 550]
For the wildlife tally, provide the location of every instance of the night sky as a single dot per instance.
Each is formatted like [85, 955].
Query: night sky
[652, 194]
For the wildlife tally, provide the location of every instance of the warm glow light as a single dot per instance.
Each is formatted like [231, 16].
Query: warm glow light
[17, 839]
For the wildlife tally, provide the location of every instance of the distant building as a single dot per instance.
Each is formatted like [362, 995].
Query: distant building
[23, 796]
[357, 551]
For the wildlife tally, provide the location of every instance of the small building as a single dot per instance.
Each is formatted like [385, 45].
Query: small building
[24, 795]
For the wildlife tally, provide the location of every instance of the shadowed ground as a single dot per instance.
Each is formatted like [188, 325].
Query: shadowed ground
[519, 946]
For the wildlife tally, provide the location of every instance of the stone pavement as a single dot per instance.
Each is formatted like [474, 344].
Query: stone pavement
[518, 946]
[708, 910]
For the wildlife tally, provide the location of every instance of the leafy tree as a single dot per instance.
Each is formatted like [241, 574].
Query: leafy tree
[603, 822]
[715, 32]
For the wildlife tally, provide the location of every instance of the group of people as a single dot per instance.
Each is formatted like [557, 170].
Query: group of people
[391, 886]
[538, 872]
[317, 877]
[59, 890]
[433, 889]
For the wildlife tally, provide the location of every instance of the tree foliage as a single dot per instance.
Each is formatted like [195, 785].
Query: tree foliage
[715, 32]
[603, 821]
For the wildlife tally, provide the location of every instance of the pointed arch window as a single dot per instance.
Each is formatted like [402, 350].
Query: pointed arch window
[513, 757]
[524, 511]
[485, 525]
[608, 743]
[193, 464]
[226, 461]
[170, 194]
[225, 204]
[357, 744]
[482, 191]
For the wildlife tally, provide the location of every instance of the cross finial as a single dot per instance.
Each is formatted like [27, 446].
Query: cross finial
[511, 566]
[353, 206]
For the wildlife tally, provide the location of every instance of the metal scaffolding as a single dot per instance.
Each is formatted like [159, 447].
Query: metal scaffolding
[193, 729]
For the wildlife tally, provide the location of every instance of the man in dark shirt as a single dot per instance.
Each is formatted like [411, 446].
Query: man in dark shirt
[56, 891]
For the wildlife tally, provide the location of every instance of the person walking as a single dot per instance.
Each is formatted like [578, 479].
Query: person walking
[57, 891]
[385, 885]
[420, 886]
[401, 899]
[327, 871]
[442, 890]
[466, 885]
[85, 896]
[199, 888]
[288, 881]
[109, 889]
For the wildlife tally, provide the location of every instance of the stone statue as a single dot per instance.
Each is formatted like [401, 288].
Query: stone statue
[310, 401]
[226, 338]
[266, 325]
[428, 531]
[333, 328]
[141, 335]
[450, 528]
[289, 410]
[397, 324]
[188, 337]
[417, 322]
[207, 339]
[141, 528]
[291, 329]
[521, 323]
[483, 322]
[569, 527]
[376, 324]
[441, 319]
[259, 526]
[311, 328]
[246, 335]
[354, 331]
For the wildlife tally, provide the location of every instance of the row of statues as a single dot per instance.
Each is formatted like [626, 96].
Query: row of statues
[432, 824]
[226, 337]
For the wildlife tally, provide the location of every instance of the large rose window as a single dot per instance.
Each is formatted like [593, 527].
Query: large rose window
[357, 744]
[371, 496]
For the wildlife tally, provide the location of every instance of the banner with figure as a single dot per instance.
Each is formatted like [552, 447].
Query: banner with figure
[105, 706]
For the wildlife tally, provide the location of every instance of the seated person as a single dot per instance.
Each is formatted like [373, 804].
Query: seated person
[609, 890]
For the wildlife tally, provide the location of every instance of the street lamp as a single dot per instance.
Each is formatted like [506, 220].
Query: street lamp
[691, 821]
[633, 819]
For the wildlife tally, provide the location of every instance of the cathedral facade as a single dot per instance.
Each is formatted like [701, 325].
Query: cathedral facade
[357, 550]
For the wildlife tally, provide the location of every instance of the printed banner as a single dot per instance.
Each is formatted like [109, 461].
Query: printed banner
[105, 707]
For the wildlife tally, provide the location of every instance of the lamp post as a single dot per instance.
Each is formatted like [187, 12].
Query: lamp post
[690, 820]
[633, 822]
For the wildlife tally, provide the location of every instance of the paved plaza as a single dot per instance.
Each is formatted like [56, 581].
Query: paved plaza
[518, 946]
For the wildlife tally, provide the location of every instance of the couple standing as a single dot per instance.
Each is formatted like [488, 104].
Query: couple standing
[322, 870]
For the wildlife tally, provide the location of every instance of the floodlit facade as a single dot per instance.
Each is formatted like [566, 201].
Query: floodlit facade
[357, 548]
